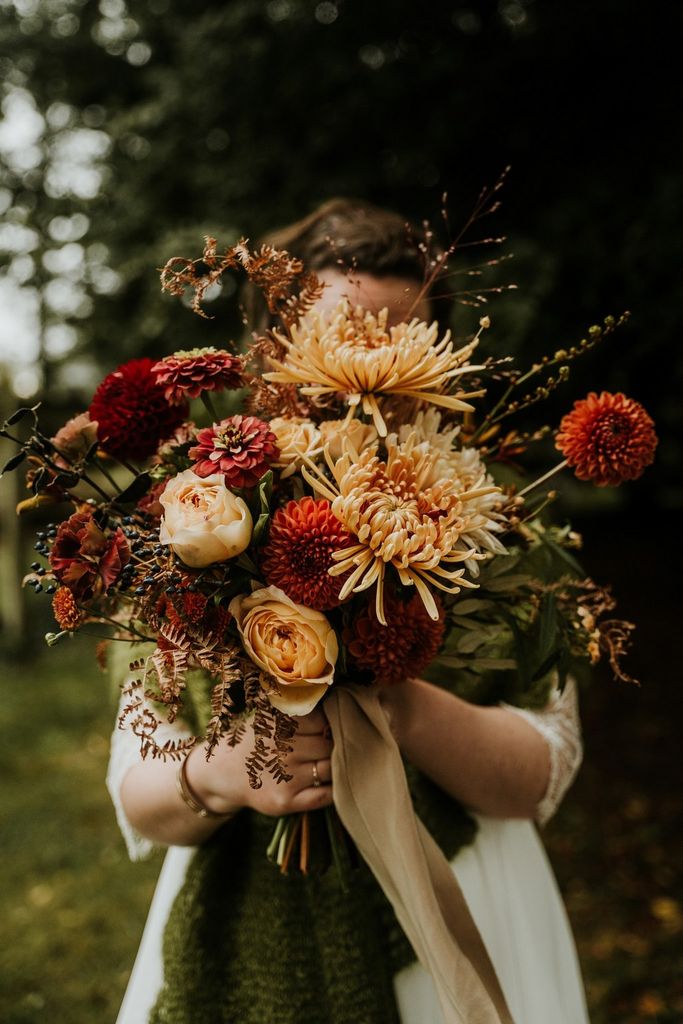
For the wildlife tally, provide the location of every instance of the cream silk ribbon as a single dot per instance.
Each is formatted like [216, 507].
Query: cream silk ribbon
[373, 801]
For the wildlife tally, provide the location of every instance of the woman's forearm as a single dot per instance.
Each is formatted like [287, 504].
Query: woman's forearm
[489, 758]
[154, 807]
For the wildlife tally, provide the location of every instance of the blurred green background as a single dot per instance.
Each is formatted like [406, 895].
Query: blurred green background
[130, 130]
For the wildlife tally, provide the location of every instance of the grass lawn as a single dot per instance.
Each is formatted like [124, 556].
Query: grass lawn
[73, 906]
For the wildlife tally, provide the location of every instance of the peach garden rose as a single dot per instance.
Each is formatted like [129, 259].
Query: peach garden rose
[203, 522]
[293, 644]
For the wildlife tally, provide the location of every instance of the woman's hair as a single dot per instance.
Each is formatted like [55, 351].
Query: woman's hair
[346, 234]
[353, 234]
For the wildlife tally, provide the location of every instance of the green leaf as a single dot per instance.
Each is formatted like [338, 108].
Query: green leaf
[546, 666]
[245, 562]
[265, 492]
[15, 461]
[136, 489]
[470, 605]
[512, 582]
[260, 534]
[547, 630]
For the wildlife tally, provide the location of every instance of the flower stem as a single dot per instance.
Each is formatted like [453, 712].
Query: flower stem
[542, 479]
[209, 406]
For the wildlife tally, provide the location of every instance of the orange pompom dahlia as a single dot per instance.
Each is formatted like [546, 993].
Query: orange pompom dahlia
[607, 439]
[65, 610]
[303, 537]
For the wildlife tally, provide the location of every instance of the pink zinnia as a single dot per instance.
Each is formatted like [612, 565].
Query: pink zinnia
[186, 374]
[240, 447]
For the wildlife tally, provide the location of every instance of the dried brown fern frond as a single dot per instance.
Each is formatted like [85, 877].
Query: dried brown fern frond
[615, 642]
[272, 732]
[220, 722]
[288, 291]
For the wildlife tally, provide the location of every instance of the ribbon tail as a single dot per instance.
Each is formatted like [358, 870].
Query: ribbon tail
[373, 801]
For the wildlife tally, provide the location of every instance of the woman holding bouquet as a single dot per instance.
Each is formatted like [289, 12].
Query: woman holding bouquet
[245, 944]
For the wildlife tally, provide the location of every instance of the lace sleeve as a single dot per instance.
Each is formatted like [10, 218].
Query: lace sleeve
[559, 724]
[125, 753]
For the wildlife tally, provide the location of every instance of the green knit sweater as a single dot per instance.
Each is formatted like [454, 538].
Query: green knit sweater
[246, 945]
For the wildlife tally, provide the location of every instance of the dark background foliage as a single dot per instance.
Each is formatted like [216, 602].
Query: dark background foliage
[234, 118]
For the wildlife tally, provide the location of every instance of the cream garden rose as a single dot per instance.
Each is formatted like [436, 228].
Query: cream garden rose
[204, 522]
[296, 436]
[293, 644]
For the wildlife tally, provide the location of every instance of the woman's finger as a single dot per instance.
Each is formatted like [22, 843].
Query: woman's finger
[312, 798]
[311, 774]
[309, 748]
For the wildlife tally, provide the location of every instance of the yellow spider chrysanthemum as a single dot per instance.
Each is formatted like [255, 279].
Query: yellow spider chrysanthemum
[353, 353]
[402, 512]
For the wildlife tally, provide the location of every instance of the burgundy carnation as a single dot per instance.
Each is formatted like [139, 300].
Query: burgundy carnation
[85, 558]
[240, 447]
[401, 649]
[186, 374]
[132, 413]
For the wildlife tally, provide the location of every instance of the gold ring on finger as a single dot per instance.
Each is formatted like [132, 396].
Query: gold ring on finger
[316, 777]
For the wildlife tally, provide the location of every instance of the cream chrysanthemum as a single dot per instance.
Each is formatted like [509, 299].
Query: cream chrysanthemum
[402, 512]
[464, 466]
[353, 353]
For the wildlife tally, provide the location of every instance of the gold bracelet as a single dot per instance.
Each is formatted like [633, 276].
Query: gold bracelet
[190, 798]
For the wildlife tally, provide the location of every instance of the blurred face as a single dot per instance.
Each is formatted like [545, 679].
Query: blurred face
[398, 294]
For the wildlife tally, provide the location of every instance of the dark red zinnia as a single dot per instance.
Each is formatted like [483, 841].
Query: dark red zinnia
[132, 413]
[186, 374]
[607, 439]
[401, 649]
[240, 447]
[303, 537]
[87, 559]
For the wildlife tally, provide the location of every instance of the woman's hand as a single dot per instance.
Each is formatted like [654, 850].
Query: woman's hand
[222, 783]
[154, 807]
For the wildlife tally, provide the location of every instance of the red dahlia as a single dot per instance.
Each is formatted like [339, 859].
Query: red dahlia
[132, 413]
[240, 447]
[196, 615]
[186, 374]
[607, 439]
[85, 558]
[303, 536]
[401, 649]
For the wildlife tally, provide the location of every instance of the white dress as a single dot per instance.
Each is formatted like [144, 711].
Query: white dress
[504, 874]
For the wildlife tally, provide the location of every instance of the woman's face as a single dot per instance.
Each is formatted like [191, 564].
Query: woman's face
[398, 294]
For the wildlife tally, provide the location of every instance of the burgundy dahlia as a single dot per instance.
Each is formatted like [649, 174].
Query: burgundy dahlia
[186, 374]
[240, 447]
[401, 649]
[85, 558]
[132, 413]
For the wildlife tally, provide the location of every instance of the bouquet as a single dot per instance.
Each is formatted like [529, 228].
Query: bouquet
[318, 511]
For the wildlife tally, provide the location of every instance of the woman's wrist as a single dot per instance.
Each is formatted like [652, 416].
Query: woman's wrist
[200, 776]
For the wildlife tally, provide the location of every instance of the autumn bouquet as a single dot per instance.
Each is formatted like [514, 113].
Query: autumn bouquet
[317, 510]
